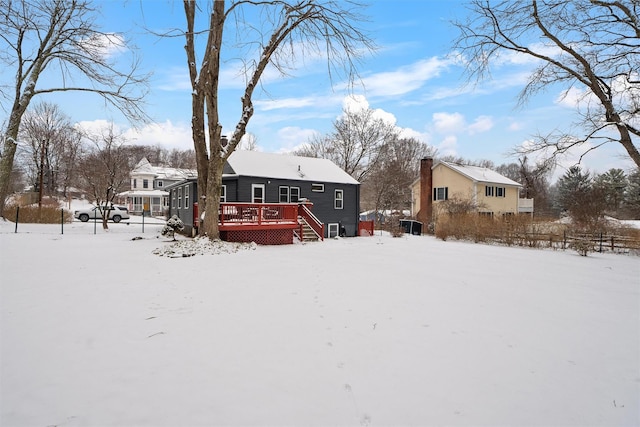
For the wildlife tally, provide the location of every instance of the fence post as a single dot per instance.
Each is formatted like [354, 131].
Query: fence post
[17, 216]
[142, 220]
[600, 242]
[564, 239]
[62, 220]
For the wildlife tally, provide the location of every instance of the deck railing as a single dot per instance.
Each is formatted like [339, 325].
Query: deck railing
[312, 220]
[234, 213]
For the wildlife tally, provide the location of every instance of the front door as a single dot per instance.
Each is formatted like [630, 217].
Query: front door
[257, 193]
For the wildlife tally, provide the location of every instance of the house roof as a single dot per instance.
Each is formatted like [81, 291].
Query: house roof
[161, 172]
[284, 166]
[479, 174]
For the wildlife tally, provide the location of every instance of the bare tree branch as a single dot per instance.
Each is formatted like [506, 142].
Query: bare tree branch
[589, 45]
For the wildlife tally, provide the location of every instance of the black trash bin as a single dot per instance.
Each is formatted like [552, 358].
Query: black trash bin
[411, 227]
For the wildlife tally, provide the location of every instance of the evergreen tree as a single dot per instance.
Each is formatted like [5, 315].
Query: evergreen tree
[631, 200]
[613, 184]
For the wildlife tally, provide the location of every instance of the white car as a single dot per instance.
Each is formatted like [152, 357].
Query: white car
[115, 214]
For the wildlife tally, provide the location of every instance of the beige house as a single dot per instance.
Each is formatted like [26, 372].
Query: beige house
[491, 192]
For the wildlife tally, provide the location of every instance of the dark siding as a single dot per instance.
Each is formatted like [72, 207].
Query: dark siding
[185, 214]
[239, 190]
[323, 202]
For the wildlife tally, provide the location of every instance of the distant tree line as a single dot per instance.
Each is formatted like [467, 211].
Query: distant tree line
[372, 151]
[56, 158]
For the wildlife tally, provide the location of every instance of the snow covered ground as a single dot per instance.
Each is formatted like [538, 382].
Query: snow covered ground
[98, 330]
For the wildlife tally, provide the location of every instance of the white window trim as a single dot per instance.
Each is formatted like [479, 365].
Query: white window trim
[264, 193]
[336, 199]
[291, 194]
[223, 194]
[333, 230]
[186, 196]
[318, 188]
[280, 194]
[180, 198]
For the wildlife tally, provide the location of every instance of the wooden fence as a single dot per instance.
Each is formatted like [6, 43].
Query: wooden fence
[598, 242]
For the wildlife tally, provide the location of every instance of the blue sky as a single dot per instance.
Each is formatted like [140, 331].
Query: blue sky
[413, 80]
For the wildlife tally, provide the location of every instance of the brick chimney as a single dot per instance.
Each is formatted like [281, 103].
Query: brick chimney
[426, 183]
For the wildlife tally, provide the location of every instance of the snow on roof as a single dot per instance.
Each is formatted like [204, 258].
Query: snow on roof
[161, 172]
[284, 166]
[480, 174]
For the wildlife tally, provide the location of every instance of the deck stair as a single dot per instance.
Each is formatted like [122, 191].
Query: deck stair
[308, 234]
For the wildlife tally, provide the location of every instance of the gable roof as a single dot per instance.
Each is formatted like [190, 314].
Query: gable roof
[479, 174]
[161, 172]
[284, 166]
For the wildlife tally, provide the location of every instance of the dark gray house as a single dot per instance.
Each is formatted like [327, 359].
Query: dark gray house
[257, 177]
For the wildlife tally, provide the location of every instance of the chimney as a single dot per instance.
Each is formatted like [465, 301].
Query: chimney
[426, 184]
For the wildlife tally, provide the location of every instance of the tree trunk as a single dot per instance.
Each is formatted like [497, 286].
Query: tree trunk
[9, 150]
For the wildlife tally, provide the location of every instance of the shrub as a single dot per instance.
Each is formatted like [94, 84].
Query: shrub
[48, 213]
[173, 224]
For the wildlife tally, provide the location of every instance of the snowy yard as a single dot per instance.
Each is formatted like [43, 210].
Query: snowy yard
[97, 330]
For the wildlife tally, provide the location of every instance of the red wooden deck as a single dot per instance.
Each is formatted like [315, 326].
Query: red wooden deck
[265, 223]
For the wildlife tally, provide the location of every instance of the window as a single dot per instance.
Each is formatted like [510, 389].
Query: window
[288, 194]
[441, 193]
[317, 187]
[145, 183]
[333, 230]
[501, 192]
[283, 194]
[160, 184]
[257, 193]
[339, 199]
[186, 197]
[488, 191]
[294, 194]
[223, 194]
[134, 183]
[173, 198]
[179, 197]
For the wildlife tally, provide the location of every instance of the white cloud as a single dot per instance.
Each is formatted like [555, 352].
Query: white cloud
[291, 137]
[106, 45]
[406, 78]
[480, 124]
[448, 146]
[277, 104]
[165, 134]
[448, 122]
[515, 126]
[357, 103]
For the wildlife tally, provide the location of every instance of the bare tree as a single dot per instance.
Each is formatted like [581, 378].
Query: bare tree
[287, 30]
[591, 47]
[534, 180]
[49, 149]
[104, 169]
[387, 187]
[40, 36]
[356, 144]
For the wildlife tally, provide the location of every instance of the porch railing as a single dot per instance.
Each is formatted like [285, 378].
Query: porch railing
[312, 220]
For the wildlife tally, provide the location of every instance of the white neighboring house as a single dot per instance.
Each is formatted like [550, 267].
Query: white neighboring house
[147, 187]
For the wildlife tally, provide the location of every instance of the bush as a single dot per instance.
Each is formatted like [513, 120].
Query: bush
[48, 213]
[173, 224]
